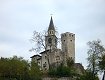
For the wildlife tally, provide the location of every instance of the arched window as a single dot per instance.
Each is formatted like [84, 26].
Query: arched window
[52, 32]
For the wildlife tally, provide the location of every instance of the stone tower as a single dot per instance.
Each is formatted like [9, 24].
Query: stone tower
[68, 45]
[51, 39]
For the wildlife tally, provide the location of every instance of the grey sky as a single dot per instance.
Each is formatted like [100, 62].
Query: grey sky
[19, 18]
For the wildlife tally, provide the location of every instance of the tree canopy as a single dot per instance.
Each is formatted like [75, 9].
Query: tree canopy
[16, 68]
[95, 52]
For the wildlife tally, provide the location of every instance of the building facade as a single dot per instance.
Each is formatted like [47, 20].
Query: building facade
[53, 56]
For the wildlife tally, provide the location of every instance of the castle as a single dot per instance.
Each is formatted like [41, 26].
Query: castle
[52, 55]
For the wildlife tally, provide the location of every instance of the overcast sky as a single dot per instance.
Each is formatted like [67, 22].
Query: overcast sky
[19, 18]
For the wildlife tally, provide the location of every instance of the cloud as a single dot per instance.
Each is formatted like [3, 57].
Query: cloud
[19, 18]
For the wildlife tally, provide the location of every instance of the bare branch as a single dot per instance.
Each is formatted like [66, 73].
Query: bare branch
[39, 40]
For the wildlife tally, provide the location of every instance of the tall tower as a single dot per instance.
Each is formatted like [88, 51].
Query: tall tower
[51, 39]
[68, 45]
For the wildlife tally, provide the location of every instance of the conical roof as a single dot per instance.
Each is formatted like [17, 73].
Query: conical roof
[51, 25]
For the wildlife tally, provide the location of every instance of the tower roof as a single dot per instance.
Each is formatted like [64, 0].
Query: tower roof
[51, 25]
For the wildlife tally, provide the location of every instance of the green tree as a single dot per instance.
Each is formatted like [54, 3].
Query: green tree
[102, 65]
[35, 72]
[19, 67]
[88, 75]
[3, 67]
[14, 68]
[95, 50]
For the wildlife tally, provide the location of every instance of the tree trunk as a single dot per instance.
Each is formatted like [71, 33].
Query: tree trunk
[103, 76]
[93, 72]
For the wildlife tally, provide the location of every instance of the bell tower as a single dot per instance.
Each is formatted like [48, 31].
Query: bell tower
[51, 39]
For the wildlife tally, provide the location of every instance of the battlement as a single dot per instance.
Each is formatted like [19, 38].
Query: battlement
[67, 34]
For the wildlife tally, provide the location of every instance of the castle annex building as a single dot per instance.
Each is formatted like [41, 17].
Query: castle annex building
[52, 55]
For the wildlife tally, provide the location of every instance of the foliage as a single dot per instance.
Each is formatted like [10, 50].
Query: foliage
[35, 72]
[88, 75]
[52, 72]
[15, 68]
[102, 63]
[70, 62]
[94, 52]
[62, 71]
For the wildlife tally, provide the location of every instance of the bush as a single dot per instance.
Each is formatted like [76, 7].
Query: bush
[60, 71]
[63, 71]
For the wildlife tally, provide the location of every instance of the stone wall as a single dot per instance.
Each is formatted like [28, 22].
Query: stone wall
[62, 78]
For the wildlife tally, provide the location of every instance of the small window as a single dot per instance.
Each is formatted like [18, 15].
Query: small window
[44, 65]
[50, 40]
[45, 57]
[52, 32]
[72, 35]
[57, 58]
[45, 68]
[38, 62]
[65, 34]
[71, 40]
[64, 40]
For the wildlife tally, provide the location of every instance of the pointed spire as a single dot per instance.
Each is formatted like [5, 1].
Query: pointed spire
[51, 25]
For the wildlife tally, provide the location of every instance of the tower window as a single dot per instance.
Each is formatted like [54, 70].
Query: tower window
[71, 40]
[57, 58]
[38, 62]
[65, 34]
[64, 40]
[62, 35]
[45, 57]
[72, 35]
[50, 32]
[44, 65]
[50, 40]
